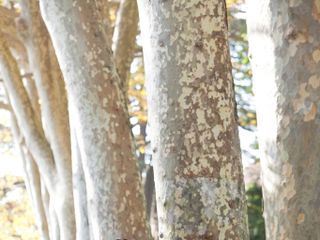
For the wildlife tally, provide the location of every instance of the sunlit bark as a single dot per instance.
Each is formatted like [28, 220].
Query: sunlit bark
[100, 119]
[196, 152]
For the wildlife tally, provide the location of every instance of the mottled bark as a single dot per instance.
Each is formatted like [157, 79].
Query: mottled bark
[284, 43]
[104, 14]
[124, 39]
[114, 194]
[196, 152]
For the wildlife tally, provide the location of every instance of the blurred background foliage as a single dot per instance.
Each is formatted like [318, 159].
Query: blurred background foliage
[16, 217]
[16, 220]
[256, 222]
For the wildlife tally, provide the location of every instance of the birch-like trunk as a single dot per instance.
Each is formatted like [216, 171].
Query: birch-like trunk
[196, 153]
[31, 179]
[284, 40]
[114, 194]
[54, 114]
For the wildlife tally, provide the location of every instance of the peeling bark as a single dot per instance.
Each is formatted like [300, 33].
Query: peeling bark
[196, 152]
[284, 43]
[114, 194]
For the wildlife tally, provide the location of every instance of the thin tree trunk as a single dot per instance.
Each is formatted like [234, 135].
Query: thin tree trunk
[33, 175]
[54, 222]
[114, 194]
[51, 90]
[30, 127]
[124, 39]
[34, 98]
[284, 40]
[45, 201]
[79, 191]
[32, 180]
[59, 189]
[196, 152]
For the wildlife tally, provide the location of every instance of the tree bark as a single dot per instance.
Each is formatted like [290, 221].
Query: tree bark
[196, 152]
[54, 113]
[79, 191]
[30, 128]
[31, 179]
[284, 42]
[124, 39]
[114, 194]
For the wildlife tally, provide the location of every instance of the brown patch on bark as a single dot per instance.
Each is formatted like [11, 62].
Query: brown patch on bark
[316, 10]
[300, 218]
[292, 34]
[311, 114]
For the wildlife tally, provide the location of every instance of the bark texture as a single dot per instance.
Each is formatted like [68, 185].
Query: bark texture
[114, 195]
[284, 42]
[196, 153]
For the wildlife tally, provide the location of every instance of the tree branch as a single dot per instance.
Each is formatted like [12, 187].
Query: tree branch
[49, 85]
[124, 39]
[31, 179]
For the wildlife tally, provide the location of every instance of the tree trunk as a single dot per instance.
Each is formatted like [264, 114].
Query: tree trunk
[31, 179]
[54, 114]
[196, 152]
[114, 194]
[30, 126]
[284, 42]
[79, 191]
[124, 39]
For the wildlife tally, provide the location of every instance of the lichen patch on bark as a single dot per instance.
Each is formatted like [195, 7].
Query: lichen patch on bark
[198, 175]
